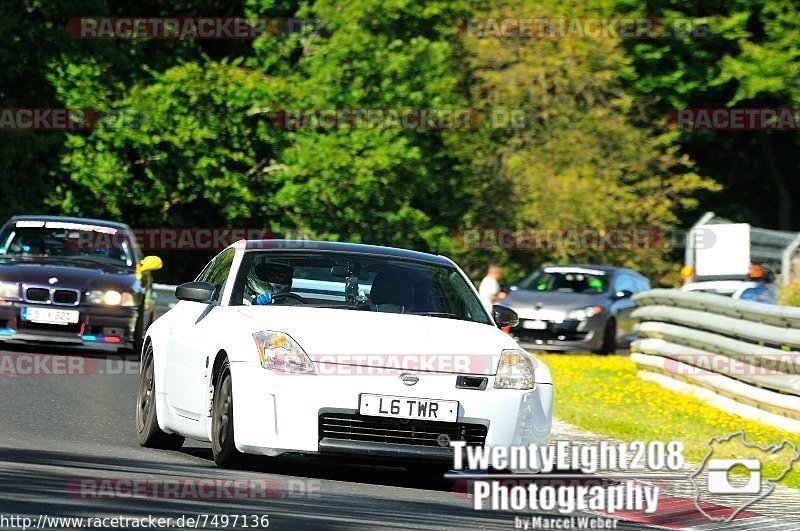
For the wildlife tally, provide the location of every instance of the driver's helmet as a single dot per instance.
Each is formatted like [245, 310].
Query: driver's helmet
[259, 287]
[270, 278]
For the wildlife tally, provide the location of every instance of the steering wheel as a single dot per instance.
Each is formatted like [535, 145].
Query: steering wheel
[294, 296]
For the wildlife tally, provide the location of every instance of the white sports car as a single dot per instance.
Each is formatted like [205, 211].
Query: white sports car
[336, 349]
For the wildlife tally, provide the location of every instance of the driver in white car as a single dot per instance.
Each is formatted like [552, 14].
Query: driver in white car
[266, 280]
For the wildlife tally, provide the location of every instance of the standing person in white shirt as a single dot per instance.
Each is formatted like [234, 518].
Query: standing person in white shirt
[489, 288]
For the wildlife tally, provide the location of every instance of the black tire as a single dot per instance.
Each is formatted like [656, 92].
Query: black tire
[222, 435]
[139, 329]
[609, 345]
[148, 433]
[143, 322]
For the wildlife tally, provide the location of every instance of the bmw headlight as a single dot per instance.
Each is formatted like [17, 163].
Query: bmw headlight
[280, 353]
[9, 290]
[110, 297]
[582, 314]
[515, 370]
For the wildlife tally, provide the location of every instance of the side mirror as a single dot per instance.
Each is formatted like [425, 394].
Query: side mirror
[195, 292]
[623, 294]
[504, 316]
[150, 263]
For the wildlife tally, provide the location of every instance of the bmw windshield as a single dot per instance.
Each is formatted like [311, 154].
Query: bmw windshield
[67, 242]
[356, 282]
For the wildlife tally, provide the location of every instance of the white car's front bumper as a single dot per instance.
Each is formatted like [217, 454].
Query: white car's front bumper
[278, 413]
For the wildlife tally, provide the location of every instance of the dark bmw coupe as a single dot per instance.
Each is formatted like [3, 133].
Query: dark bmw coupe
[74, 282]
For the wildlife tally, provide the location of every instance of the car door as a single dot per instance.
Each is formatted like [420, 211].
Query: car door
[191, 340]
[624, 306]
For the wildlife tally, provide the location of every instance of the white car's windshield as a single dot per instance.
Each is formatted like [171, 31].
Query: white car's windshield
[357, 282]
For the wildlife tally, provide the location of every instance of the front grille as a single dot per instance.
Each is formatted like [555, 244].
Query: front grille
[544, 335]
[37, 294]
[353, 427]
[65, 296]
[566, 331]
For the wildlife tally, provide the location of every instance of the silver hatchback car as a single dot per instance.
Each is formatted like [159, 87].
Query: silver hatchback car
[576, 308]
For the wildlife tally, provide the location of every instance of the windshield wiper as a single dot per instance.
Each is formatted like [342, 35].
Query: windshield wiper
[438, 314]
[100, 263]
[336, 306]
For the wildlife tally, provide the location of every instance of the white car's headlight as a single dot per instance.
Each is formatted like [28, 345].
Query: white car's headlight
[110, 297]
[583, 313]
[515, 370]
[280, 353]
[9, 290]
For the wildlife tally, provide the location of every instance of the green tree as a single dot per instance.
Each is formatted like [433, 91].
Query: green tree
[390, 186]
[747, 55]
[201, 146]
[187, 154]
[583, 158]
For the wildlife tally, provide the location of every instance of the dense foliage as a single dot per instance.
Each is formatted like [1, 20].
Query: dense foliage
[200, 145]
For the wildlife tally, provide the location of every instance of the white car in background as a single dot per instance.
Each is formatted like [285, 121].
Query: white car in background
[737, 289]
[337, 349]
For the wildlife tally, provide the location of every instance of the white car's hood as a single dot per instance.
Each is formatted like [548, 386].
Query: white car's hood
[387, 340]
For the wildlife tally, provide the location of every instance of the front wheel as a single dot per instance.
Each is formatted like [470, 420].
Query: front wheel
[222, 446]
[148, 433]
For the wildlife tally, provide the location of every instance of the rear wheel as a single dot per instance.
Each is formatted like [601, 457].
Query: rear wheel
[222, 441]
[609, 345]
[149, 434]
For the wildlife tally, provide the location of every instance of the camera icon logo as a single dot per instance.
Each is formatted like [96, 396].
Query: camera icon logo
[736, 482]
[719, 476]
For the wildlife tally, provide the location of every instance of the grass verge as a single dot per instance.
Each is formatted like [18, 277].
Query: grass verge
[605, 395]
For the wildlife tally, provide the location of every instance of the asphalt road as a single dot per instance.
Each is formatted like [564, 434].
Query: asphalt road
[62, 432]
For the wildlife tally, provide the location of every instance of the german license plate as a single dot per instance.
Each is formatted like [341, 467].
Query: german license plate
[49, 315]
[534, 325]
[408, 408]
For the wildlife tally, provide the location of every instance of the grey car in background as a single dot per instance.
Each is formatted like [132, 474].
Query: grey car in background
[576, 308]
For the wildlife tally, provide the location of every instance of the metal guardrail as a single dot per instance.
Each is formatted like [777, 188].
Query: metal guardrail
[165, 297]
[745, 350]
